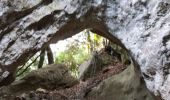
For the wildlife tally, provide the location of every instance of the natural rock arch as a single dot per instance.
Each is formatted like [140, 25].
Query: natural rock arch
[142, 26]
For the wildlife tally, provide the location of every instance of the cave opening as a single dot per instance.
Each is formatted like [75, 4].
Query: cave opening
[138, 27]
[97, 64]
[75, 50]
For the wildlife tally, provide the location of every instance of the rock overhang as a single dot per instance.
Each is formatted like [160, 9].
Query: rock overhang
[140, 26]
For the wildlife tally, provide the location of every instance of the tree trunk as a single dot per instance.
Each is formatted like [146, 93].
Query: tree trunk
[140, 26]
[50, 55]
[42, 56]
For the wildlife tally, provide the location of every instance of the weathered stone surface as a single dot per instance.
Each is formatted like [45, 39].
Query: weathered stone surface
[108, 84]
[141, 26]
[50, 77]
[78, 91]
[123, 86]
[100, 60]
[90, 67]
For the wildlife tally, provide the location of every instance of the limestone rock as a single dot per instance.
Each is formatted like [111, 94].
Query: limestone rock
[78, 91]
[54, 76]
[140, 26]
[123, 86]
[91, 67]
[96, 63]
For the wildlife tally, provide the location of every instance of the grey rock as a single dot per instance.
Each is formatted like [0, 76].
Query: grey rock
[127, 85]
[90, 67]
[140, 26]
[50, 77]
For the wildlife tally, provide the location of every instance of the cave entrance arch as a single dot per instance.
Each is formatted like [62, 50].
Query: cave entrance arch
[135, 72]
[102, 32]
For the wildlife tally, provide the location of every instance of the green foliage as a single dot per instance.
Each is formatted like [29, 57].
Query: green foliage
[74, 55]
[94, 41]
[76, 52]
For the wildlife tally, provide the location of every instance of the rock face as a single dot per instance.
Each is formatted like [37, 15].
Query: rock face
[140, 26]
[98, 62]
[54, 76]
[91, 67]
[123, 86]
[127, 85]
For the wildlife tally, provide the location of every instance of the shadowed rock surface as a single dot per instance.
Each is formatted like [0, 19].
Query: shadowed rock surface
[140, 26]
[124, 86]
[99, 61]
[54, 76]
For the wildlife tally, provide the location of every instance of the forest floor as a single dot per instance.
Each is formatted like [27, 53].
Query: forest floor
[78, 91]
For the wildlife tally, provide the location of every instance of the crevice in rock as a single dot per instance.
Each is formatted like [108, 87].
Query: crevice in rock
[165, 39]
[163, 8]
[43, 22]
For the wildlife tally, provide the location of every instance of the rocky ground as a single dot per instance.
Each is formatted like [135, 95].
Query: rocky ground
[114, 81]
[77, 92]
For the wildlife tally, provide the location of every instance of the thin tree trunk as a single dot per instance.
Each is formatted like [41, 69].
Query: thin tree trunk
[42, 56]
[50, 55]
[90, 41]
[27, 66]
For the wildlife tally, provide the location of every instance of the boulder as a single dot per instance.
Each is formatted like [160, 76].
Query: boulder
[50, 77]
[127, 85]
[90, 67]
[96, 63]
[102, 59]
